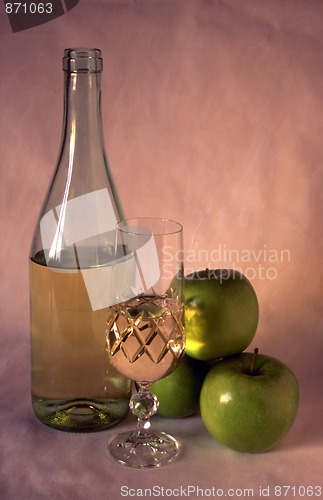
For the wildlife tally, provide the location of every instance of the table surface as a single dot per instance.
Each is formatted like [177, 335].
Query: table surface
[40, 462]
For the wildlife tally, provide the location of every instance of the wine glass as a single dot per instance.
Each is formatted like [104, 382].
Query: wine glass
[145, 329]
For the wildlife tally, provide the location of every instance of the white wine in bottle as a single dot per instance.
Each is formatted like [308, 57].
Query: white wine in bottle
[74, 386]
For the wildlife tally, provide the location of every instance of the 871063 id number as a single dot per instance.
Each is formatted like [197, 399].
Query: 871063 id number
[298, 491]
[29, 8]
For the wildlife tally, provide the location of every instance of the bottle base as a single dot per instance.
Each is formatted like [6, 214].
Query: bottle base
[80, 415]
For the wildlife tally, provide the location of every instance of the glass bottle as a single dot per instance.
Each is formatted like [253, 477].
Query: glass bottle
[74, 386]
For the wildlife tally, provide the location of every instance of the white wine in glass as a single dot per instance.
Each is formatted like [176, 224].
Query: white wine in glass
[146, 337]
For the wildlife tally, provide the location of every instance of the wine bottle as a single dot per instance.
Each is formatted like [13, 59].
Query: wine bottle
[74, 386]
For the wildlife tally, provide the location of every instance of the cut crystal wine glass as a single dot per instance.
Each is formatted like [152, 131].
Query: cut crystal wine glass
[145, 329]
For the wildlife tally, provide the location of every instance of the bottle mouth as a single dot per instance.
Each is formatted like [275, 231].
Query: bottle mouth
[82, 60]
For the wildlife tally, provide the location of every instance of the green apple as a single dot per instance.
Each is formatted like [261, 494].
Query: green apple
[249, 401]
[221, 313]
[179, 393]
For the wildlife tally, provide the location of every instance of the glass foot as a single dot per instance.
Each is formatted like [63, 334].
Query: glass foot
[143, 451]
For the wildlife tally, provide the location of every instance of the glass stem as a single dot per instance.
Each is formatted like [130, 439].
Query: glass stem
[144, 405]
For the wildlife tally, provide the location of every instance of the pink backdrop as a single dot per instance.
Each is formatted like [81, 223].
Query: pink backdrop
[213, 115]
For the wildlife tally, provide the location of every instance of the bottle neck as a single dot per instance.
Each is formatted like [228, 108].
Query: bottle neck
[82, 133]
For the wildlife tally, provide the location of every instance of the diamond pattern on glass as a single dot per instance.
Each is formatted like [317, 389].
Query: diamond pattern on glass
[146, 325]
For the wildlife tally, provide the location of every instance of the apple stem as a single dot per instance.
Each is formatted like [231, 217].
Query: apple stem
[253, 361]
